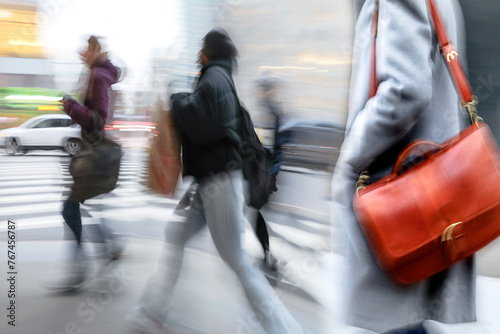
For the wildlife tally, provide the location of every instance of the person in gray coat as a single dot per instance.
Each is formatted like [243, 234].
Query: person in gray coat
[415, 99]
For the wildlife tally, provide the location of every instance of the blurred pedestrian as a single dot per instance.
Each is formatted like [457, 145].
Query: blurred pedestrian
[268, 85]
[415, 99]
[207, 118]
[102, 74]
[268, 88]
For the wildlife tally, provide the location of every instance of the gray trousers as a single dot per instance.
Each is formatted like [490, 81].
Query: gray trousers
[218, 203]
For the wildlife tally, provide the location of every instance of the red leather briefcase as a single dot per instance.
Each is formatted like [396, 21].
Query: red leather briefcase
[421, 220]
[438, 212]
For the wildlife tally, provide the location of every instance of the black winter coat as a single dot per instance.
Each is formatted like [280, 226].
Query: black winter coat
[210, 123]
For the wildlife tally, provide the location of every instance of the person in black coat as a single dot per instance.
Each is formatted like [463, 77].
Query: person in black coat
[209, 121]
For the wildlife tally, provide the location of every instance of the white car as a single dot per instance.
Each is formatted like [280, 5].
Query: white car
[46, 132]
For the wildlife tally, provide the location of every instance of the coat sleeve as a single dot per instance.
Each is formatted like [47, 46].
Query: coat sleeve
[199, 115]
[404, 70]
[81, 114]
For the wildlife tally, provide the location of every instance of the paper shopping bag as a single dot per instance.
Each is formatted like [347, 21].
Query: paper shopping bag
[164, 163]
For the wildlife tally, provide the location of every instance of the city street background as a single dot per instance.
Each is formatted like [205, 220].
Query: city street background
[208, 298]
[300, 239]
[307, 45]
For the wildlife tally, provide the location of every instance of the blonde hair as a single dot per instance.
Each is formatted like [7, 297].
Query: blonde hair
[95, 44]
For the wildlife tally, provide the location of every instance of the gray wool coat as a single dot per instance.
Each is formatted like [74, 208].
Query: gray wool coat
[416, 99]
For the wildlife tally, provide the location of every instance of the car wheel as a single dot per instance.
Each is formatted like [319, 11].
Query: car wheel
[11, 146]
[24, 151]
[73, 146]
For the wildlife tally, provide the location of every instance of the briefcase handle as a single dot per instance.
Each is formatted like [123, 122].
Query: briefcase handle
[421, 149]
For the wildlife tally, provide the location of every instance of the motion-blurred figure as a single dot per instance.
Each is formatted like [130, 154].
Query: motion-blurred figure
[415, 99]
[268, 87]
[101, 75]
[207, 118]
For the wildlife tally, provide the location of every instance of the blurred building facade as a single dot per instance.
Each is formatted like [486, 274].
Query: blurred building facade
[307, 43]
[23, 60]
[197, 17]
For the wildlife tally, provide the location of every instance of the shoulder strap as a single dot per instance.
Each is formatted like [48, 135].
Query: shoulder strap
[96, 134]
[449, 53]
[96, 120]
[235, 139]
[233, 88]
[231, 82]
[453, 62]
[373, 82]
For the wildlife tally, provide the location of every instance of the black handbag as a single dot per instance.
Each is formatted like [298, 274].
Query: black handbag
[95, 169]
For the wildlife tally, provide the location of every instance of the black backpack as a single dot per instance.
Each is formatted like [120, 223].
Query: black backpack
[257, 159]
[257, 163]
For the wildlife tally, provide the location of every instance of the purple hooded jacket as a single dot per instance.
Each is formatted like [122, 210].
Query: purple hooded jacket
[103, 75]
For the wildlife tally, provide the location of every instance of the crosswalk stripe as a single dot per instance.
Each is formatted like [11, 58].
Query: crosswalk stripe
[9, 167]
[31, 190]
[27, 177]
[42, 182]
[35, 223]
[47, 197]
[18, 210]
[33, 194]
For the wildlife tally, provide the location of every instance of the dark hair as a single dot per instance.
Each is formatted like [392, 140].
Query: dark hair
[218, 45]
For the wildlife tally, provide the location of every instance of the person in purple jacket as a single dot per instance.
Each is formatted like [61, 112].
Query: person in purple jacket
[103, 74]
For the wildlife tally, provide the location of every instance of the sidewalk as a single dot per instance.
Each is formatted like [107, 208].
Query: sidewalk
[208, 297]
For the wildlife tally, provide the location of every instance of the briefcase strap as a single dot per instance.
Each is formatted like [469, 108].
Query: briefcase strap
[452, 60]
[451, 57]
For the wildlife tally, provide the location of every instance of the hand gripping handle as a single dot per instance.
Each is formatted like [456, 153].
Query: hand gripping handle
[420, 149]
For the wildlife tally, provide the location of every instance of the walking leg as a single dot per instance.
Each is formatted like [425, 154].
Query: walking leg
[224, 215]
[161, 284]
